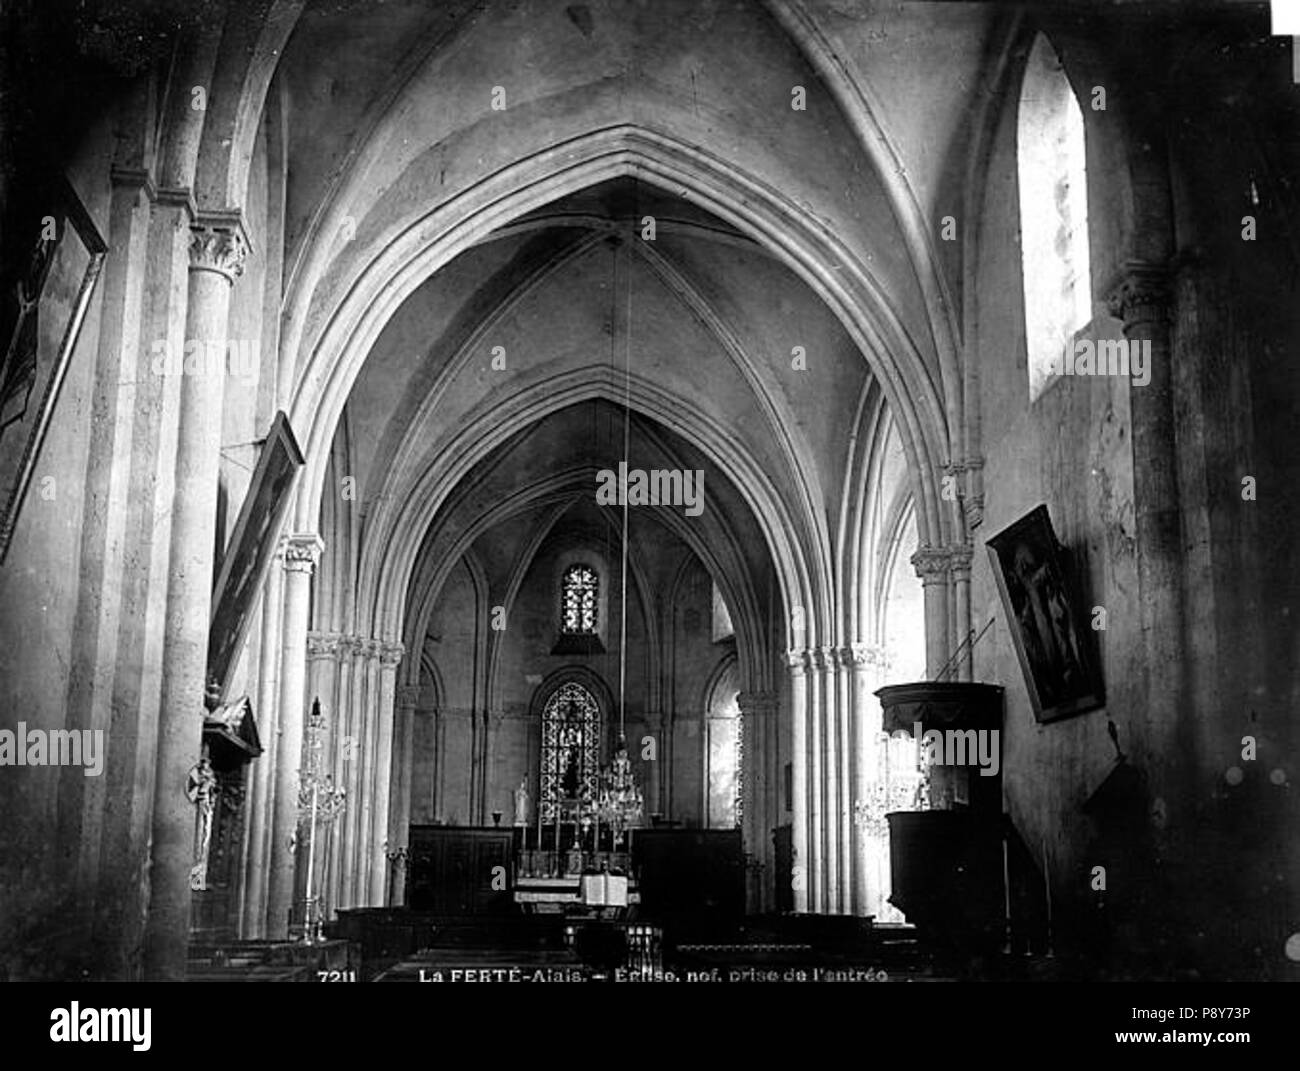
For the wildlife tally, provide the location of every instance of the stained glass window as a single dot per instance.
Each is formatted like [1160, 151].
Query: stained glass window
[570, 748]
[578, 592]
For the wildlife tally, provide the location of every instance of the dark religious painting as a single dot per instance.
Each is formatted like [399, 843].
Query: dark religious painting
[1043, 612]
[41, 313]
[251, 547]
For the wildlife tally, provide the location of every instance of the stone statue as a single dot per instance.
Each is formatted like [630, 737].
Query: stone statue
[521, 803]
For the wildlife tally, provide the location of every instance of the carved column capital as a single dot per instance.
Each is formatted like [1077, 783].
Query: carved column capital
[390, 653]
[797, 660]
[219, 243]
[862, 655]
[932, 564]
[959, 560]
[301, 552]
[324, 645]
[1142, 295]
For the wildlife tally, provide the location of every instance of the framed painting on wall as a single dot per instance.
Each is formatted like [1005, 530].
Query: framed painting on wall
[1043, 614]
[41, 314]
[251, 548]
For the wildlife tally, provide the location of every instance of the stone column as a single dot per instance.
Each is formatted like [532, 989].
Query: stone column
[801, 818]
[831, 751]
[817, 781]
[959, 558]
[323, 650]
[128, 508]
[932, 566]
[399, 821]
[344, 764]
[350, 829]
[1142, 300]
[217, 251]
[367, 849]
[844, 675]
[867, 665]
[301, 553]
[757, 711]
[261, 800]
[390, 656]
[94, 651]
[654, 721]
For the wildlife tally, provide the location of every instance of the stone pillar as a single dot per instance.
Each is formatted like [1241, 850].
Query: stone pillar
[406, 703]
[959, 558]
[932, 566]
[390, 656]
[366, 849]
[759, 816]
[845, 757]
[128, 508]
[323, 649]
[801, 818]
[83, 816]
[344, 766]
[831, 751]
[350, 829]
[816, 875]
[261, 800]
[650, 779]
[1142, 300]
[217, 251]
[867, 670]
[301, 553]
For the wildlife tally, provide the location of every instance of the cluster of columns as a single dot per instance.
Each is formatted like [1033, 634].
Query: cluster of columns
[355, 679]
[835, 723]
[217, 249]
[148, 544]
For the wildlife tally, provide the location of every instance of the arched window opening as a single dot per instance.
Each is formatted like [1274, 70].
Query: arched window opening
[722, 627]
[1052, 168]
[724, 753]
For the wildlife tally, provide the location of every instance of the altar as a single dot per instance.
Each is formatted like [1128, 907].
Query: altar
[595, 894]
[577, 860]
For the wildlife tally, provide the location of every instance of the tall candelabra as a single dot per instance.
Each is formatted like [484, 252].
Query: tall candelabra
[318, 802]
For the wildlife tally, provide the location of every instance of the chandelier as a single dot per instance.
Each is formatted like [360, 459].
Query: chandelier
[619, 803]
